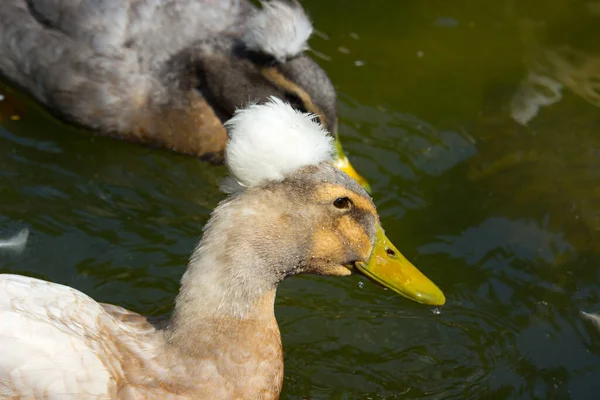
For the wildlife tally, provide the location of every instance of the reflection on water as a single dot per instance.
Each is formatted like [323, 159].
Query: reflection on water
[16, 243]
[558, 53]
[593, 318]
[522, 239]
[504, 216]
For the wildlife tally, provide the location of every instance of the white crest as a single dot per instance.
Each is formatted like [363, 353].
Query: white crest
[280, 29]
[268, 142]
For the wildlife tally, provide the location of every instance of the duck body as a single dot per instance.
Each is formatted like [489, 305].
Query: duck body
[62, 342]
[163, 73]
[289, 211]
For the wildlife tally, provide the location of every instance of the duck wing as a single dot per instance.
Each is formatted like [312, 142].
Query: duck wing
[55, 341]
[101, 24]
[99, 90]
[133, 319]
[154, 29]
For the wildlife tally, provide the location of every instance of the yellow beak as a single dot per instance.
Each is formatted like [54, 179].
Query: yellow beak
[390, 268]
[341, 162]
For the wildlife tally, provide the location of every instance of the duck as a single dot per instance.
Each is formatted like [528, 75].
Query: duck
[288, 211]
[165, 74]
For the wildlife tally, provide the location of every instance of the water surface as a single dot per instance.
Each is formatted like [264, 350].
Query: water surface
[477, 124]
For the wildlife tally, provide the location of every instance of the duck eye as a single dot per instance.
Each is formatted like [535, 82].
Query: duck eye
[342, 203]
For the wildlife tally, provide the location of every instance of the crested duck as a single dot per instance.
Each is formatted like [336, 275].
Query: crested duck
[289, 211]
[164, 73]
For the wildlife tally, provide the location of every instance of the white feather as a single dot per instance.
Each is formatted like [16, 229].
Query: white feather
[269, 142]
[47, 337]
[280, 29]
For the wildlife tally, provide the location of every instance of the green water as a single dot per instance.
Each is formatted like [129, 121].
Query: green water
[504, 218]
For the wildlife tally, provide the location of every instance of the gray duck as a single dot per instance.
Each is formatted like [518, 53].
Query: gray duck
[164, 73]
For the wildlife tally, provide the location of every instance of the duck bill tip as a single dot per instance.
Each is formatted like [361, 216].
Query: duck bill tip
[388, 267]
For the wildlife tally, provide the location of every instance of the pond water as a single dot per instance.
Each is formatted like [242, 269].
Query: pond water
[477, 124]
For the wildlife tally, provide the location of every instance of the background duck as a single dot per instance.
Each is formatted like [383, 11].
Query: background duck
[290, 212]
[164, 73]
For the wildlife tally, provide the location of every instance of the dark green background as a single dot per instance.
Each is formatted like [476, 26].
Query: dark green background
[504, 218]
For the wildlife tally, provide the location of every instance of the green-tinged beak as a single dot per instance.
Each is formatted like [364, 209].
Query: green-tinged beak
[388, 267]
[341, 162]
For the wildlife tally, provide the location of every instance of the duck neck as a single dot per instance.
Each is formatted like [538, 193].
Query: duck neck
[227, 287]
[224, 326]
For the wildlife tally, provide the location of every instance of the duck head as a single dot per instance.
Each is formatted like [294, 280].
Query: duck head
[266, 58]
[291, 211]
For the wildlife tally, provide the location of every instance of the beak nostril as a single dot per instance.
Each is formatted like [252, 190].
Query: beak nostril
[390, 252]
